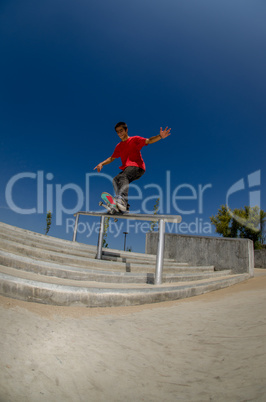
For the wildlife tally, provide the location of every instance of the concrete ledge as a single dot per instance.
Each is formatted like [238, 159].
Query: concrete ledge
[224, 253]
[106, 297]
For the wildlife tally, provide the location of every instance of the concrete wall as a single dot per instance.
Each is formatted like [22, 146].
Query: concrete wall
[223, 253]
[260, 258]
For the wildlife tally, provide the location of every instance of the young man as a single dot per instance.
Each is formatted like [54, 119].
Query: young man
[133, 166]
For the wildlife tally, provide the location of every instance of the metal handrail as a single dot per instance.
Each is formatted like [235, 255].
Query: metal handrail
[145, 217]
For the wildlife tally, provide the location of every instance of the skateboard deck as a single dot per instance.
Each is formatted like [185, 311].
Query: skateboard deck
[110, 203]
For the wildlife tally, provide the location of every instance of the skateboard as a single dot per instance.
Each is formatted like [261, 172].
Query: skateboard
[110, 204]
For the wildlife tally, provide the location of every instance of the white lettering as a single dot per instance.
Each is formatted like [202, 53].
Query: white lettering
[154, 198]
[50, 193]
[9, 193]
[168, 192]
[90, 228]
[59, 201]
[70, 224]
[89, 176]
[184, 197]
[135, 197]
[201, 191]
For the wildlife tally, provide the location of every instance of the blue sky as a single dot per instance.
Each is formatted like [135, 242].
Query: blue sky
[70, 70]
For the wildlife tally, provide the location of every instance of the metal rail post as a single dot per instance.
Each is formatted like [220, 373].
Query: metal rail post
[143, 217]
[100, 239]
[160, 253]
[76, 227]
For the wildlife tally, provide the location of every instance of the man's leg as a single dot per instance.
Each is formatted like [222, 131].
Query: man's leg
[123, 179]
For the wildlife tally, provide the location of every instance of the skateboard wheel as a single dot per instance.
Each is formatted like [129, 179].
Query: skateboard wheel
[115, 219]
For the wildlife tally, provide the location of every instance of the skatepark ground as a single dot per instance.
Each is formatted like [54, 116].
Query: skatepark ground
[206, 348]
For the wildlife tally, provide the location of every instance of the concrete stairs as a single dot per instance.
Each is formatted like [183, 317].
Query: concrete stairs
[39, 268]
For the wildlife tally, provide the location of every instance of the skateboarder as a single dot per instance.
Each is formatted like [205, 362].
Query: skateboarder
[133, 166]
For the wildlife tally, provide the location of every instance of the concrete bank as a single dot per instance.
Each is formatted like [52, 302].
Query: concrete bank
[223, 253]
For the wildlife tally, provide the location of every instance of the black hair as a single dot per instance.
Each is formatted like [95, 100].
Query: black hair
[121, 124]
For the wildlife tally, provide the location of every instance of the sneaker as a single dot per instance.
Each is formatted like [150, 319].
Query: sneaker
[121, 203]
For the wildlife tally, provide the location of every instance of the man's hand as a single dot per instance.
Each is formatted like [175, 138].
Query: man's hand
[106, 162]
[165, 133]
[99, 167]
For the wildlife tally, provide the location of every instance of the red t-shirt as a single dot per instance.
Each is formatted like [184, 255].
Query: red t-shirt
[129, 152]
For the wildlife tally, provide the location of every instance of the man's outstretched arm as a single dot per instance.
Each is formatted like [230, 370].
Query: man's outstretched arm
[106, 162]
[163, 134]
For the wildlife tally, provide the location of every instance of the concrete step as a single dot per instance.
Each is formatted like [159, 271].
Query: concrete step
[115, 255]
[16, 264]
[49, 245]
[109, 295]
[20, 233]
[39, 268]
[87, 262]
[30, 262]
[38, 240]
[21, 246]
